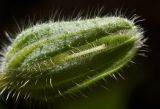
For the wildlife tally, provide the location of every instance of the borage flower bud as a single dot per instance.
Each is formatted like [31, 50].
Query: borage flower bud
[53, 59]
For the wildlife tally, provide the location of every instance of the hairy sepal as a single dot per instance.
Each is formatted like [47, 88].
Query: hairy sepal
[51, 60]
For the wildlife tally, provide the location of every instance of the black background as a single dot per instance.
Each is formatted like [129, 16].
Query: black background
[147, 94]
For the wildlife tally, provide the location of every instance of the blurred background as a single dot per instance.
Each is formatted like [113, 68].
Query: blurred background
[141, 87]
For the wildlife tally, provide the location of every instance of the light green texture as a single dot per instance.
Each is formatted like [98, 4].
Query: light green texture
[55, 59]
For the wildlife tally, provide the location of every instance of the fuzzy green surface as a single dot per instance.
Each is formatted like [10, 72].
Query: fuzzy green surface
[52, 59]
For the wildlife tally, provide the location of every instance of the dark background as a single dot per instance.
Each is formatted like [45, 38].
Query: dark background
[15, 14]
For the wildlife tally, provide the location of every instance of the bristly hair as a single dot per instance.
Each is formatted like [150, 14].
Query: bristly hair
[9, 92]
